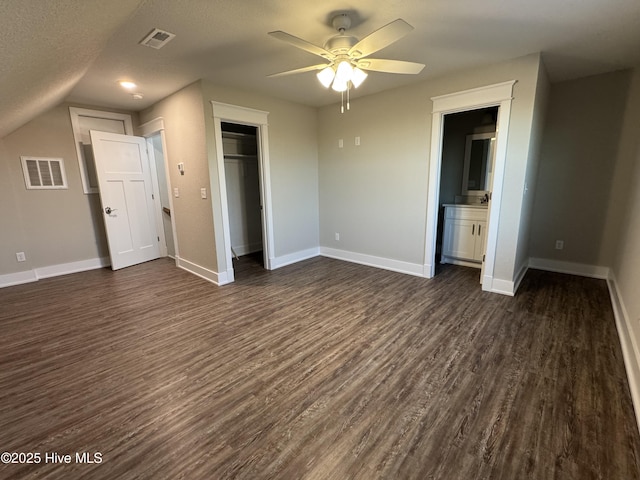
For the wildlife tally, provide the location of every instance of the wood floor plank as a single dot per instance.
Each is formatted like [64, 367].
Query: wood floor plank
[319, 370]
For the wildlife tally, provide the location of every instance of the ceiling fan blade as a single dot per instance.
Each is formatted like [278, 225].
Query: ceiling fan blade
[302, 44]
[390, 66]
[381, 38]
[300, 70]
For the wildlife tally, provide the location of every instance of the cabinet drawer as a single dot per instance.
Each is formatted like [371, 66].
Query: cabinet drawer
[465, 213]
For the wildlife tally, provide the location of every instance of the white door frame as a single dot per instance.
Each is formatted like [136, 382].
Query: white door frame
[223, 112]
[148, 130]
[497, 95]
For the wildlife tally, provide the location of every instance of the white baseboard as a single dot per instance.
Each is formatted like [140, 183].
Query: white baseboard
[36, 274]
[520, 276]
[284, 260]
[504, 287]
[416, 269]
[572, 268]
[17, 278]
[202, 272]
[73, 267]
[427, 268]
[628, 342]
[498, 285]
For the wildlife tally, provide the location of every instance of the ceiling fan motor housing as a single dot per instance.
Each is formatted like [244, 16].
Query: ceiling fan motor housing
[341, 22]
[340, 44]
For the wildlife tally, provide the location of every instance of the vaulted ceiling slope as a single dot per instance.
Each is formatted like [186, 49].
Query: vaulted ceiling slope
[77, 50]
[46, 47]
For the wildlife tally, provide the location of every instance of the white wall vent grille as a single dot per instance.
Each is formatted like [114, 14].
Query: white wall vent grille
[44, 173]
[157, 39]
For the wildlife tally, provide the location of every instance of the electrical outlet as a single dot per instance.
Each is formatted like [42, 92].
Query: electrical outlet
[559, 244]
[340, 143]
[337, 237]
[176, 192]
[203, 193]
[357, 141]
[21, 257]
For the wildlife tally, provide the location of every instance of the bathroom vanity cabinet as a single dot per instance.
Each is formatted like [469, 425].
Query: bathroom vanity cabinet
[465, 233]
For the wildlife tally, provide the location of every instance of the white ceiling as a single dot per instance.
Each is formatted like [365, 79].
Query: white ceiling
[77, 50]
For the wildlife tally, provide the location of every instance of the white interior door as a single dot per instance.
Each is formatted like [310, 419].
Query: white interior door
[126, 194]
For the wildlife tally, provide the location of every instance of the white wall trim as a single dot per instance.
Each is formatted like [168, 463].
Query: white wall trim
[72, 267]
[36, 274]
[152, 126]
[76, 113]
[399, 266]
[581, 269]
[202, 272]
[503, 287]
[520, 276]
[294, 257]
[147, 130]
[17, 278]
[628, 343]
[486, 95]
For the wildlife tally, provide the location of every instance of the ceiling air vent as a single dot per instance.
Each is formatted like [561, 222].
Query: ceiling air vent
[157, 39]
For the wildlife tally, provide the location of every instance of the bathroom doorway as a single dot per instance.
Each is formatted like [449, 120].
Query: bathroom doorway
[497, 95]
[468, 142]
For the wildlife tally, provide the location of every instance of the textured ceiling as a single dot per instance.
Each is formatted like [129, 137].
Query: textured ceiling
[78, 50]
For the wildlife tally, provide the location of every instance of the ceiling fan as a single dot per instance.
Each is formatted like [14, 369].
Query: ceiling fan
[347, 58]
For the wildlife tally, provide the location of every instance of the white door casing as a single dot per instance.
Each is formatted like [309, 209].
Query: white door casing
[499, 95]
[126, 195]
[148, 130]
[223, 112]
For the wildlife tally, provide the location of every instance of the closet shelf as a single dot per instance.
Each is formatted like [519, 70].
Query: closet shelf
[237, 135]
[240, 156]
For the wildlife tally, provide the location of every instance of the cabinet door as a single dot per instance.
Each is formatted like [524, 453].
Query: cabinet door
[481, 235]
[460, 238]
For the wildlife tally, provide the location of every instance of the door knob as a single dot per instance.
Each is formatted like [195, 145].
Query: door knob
[109, 210]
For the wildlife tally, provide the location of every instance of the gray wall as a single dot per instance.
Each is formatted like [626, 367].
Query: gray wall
[293, 160]
[541, 105]
[578, 154]
[52, 227]
[375, 194]
[622, 230]
[185, 137]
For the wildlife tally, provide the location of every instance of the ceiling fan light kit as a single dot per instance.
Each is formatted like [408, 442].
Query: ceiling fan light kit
[326, 76]
[346, 55]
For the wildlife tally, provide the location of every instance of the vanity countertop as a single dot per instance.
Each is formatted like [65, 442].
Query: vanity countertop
[472, 205]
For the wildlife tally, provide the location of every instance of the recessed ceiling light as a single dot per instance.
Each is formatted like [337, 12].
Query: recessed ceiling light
[128, 85]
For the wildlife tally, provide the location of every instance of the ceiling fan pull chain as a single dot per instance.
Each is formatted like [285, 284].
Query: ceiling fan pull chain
[348, 89]
[342, 106]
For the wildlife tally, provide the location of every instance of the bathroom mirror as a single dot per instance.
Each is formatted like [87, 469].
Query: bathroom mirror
[478, 163]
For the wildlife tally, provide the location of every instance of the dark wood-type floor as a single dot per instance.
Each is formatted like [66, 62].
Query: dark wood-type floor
[319, 370]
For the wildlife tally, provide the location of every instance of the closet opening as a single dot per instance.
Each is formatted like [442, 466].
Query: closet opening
[242, 181]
